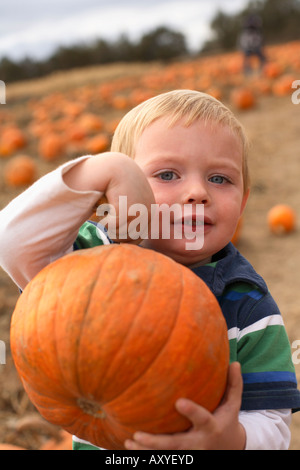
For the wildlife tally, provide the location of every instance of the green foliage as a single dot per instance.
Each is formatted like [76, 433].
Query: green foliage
[160, 44]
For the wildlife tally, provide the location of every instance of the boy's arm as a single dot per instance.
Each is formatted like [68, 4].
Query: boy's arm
[42, 223]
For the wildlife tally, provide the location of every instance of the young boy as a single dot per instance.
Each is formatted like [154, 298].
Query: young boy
[187, 148]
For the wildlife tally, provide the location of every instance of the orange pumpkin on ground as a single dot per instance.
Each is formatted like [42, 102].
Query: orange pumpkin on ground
[97, 144]
[51, 147]
[11, 139]
[20, 170]
[272, 70]
[281, 219]
[106, 339]
[90, 123]
[243, 98]
[283, 86]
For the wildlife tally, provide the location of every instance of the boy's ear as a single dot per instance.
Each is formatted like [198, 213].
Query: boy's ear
[244, 200]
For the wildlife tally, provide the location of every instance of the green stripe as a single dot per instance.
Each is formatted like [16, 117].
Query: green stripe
[233, 350]
[213, 264]
[265, 350]
[242, 288]
[83, 446]
[88, 236]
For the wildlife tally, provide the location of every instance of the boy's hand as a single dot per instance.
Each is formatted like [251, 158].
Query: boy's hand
[219, 430]
[115, 174]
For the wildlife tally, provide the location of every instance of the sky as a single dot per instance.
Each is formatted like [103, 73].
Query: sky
[36, 28]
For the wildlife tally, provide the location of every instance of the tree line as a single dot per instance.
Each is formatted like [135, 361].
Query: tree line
[280, 19]
[280, 23]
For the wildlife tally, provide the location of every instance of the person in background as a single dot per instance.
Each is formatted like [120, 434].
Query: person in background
[251, 42]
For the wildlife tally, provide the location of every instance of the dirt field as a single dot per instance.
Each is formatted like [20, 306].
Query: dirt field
[273, 128]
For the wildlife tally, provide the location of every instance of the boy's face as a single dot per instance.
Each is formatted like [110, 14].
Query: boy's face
[200, 164]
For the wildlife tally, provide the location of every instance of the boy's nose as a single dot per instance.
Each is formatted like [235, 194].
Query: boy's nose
[196, 194]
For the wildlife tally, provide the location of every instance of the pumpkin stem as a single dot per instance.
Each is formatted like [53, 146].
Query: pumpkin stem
[91, 408]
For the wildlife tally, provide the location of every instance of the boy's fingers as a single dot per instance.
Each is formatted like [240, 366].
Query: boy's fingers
[144, 441]
[196, 414]
[233, 393]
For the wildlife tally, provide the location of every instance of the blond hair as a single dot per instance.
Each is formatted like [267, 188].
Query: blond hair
[176, 105]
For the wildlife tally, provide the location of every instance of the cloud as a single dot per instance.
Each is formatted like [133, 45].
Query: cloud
[38, 28]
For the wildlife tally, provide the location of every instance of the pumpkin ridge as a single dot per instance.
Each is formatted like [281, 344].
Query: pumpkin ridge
[128, 331]
[77, 368]
[101, 267]
[55, 325]
[157, 355]
[82, 329]
[55, 342]
[36, 316]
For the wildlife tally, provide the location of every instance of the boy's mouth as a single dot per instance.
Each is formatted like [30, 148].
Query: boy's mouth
[193, 222]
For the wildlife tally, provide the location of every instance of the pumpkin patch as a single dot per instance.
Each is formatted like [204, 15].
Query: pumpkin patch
[56, 106]
[105, 340]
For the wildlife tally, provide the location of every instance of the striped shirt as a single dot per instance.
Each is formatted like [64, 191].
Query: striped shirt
[256, 332]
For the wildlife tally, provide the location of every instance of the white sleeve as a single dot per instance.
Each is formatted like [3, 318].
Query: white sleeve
[267, 429]
[41, 224]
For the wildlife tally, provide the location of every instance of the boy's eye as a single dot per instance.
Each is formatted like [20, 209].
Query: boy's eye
[218, 179]
[167, 175]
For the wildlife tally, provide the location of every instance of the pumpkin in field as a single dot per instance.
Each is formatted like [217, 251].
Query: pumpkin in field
[281, 219]
[90, 123]
[283, 85]
[272, 70]
[243, 98]
[11, 139]
[106, 339]
[97, 144]
[51, 146]
[20, 170]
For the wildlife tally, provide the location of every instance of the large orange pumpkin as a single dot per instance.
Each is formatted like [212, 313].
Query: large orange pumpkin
[106, 339]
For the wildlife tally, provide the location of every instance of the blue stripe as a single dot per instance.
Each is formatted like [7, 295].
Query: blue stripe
[233, 295]
[264, 377]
